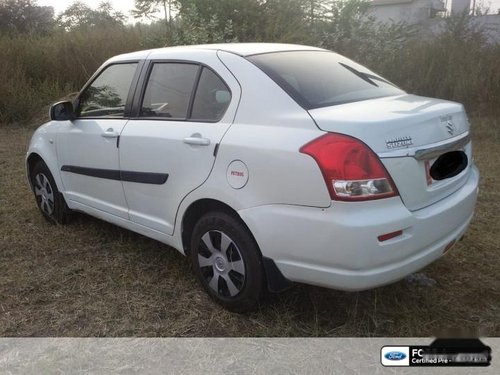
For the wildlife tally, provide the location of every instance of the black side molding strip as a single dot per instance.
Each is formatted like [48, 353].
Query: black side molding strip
[144, 177]
[113, 174]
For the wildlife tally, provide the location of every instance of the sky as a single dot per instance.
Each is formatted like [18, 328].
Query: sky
[125, 6]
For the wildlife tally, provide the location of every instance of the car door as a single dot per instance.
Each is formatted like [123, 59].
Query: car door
[87, 146]
[183, 112]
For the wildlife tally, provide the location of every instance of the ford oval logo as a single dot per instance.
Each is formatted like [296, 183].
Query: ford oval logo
[395, 356]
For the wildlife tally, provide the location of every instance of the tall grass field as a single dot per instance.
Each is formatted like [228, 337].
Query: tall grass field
[459, 64]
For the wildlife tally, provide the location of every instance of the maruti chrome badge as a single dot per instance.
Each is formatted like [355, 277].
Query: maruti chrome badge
[448, 124]
[450, 127]
[397, 142]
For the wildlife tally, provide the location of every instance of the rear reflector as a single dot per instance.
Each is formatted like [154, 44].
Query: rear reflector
[388, 236]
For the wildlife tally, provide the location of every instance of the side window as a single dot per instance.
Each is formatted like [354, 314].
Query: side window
[168, 90]
[107, 95]
[212, 97]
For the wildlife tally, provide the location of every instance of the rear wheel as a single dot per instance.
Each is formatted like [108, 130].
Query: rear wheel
[227, 262]
[48, 198]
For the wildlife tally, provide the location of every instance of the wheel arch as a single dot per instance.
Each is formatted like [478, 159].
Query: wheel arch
[42, 148]
[275, 280]
[196, 210]
[31, 160]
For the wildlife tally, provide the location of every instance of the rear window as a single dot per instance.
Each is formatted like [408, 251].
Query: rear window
[320, 79]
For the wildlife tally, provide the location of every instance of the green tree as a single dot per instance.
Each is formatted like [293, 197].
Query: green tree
[346, 25]
[244, 17]
[316, 10]
[148, 9]
[285, 21]
[25, 16]
[80, 16]
[198, 30]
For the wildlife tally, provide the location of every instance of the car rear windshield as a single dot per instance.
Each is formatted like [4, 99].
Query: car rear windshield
[320, 78]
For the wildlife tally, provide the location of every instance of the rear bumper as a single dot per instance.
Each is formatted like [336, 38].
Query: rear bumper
[338, 247]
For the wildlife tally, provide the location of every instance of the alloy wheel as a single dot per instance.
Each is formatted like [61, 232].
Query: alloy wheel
[221, 263]
[44, 193]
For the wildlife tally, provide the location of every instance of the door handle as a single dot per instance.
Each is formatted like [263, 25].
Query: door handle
[196, 140]
[110, 133]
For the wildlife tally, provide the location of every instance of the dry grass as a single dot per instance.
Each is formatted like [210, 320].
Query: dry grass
[94, 279]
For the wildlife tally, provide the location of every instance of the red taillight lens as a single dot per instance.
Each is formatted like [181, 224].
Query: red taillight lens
[352, 171]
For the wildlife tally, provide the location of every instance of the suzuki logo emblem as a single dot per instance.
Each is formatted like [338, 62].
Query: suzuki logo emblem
[450, 127]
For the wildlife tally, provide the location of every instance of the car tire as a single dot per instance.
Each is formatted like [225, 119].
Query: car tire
[48, 198]
[228, 262]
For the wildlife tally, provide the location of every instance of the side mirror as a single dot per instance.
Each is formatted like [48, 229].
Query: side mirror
[62, 111]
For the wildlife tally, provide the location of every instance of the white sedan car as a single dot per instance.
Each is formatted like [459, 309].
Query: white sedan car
[267, 164]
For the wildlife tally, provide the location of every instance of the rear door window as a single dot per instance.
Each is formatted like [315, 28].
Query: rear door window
[168, 91]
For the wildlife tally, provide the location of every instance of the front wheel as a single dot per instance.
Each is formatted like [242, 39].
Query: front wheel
[227, 262]
[48, 198]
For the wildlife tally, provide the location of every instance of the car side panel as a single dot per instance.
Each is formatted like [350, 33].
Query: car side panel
[80, 144]
[267, 133]
[159, 145]
[43, 143]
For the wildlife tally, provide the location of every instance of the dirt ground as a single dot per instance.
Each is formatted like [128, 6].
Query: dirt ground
[91, 278]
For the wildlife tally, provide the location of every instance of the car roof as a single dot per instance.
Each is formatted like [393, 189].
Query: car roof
[247, 49]
[241, 49]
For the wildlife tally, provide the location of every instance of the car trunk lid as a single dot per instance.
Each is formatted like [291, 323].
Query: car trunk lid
[410, 134]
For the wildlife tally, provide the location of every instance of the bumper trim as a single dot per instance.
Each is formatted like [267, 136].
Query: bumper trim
[356, 280]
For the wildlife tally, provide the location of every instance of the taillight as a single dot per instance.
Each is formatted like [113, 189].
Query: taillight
[352, 171]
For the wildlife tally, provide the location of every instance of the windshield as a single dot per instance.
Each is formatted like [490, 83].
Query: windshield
[320, 78]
